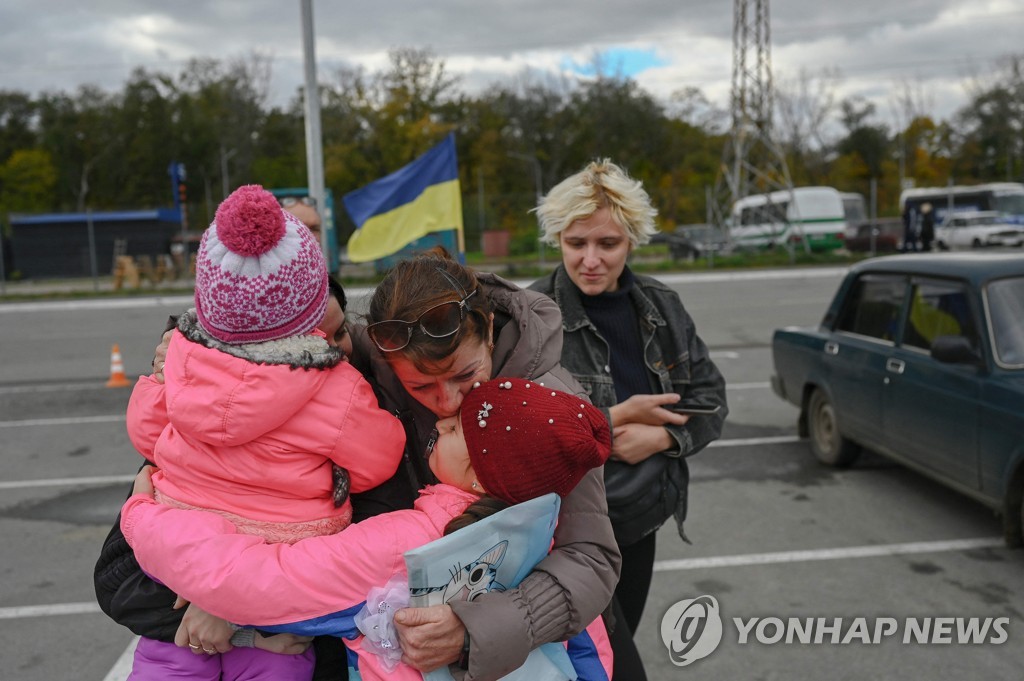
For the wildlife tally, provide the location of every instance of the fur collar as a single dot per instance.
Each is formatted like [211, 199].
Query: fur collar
[298, 352]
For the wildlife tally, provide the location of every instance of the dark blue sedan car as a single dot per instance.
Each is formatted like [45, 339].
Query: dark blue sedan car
[920, 358]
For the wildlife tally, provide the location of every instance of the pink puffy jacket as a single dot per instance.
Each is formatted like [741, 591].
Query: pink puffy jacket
[254, 438]
[315, 586]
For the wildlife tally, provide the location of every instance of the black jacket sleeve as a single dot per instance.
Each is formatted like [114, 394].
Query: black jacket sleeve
[128, 596]
[124, 592]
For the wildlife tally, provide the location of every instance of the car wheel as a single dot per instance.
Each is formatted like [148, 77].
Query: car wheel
[976, 243]
[1018, 539]
[943, 246]
[1013, 519]
[828, 445]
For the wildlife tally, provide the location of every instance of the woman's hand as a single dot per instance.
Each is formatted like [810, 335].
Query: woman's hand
[203, 633]
[647, 410]
[160, 356]
[144, 481]
[284, 644]
[635, 442]
[431, 637]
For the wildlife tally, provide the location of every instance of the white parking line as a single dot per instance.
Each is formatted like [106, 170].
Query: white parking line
[23, 611]
[758, 385]
[743, 560]
[123, 667]
[98, 304]
[61, 388]
[110, 479]
[62, 482]
[70, 421]
[748, 386]
[754, 441]
[827, 554]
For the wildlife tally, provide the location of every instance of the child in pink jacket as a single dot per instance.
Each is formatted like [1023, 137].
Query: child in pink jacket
[513, 440]
[259, 417]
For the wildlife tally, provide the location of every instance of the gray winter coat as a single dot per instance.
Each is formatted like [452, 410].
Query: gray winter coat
[575, 583]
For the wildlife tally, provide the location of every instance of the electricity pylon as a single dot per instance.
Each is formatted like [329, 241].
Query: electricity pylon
[752, 163]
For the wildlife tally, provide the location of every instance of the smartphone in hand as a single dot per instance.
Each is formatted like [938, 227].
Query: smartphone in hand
[694, 410]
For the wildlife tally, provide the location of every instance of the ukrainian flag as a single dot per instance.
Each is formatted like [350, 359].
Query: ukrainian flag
[417, 199]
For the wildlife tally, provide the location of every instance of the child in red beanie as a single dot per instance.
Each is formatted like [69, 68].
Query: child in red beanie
[513, 440]
[259, 417]
[519, 440]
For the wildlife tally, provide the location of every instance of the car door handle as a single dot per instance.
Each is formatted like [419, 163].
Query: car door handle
[896, 366]
[831, 348]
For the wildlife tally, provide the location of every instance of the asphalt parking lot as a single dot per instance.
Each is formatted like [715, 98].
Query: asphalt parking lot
[816, 573]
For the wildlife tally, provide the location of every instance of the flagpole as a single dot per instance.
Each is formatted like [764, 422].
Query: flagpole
[314, 139]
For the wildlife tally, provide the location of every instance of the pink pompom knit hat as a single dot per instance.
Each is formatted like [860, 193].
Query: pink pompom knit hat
[260, 273]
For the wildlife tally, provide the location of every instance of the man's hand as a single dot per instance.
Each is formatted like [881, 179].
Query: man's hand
[635, 442]
[203, 633]
[431, 637]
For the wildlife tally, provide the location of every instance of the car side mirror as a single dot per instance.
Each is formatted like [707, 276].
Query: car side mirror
[954, 350]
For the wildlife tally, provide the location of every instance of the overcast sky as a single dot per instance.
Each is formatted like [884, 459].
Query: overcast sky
[878, 46]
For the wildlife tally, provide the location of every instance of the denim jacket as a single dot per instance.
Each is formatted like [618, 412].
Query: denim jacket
[678, 361]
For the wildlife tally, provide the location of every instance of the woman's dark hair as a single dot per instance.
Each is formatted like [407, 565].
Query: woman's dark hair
[485, 507]
[414, 286]
[338, 291]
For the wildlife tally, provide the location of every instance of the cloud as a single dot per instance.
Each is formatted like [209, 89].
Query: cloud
[878, 46]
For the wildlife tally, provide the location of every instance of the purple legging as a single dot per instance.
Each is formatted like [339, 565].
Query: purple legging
[157, 661]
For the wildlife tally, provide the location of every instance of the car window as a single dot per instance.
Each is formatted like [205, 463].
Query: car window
[938, 308]
[1006, 312]
[873, 306]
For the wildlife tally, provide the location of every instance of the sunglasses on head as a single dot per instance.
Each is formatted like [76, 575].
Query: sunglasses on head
[440, 321]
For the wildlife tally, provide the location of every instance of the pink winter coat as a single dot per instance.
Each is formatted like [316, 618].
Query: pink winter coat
[253, 434]
[315, 586]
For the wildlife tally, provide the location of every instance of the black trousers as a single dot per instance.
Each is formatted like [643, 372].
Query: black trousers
[626, 662]
[635, 579]
[331, 660]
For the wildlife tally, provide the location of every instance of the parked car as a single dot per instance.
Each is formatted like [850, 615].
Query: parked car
[690, 242]
[885, 236]
[977, 229]
[920, 358]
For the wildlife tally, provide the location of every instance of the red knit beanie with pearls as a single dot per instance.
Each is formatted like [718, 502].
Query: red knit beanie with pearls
[526, 440]
[260, 273]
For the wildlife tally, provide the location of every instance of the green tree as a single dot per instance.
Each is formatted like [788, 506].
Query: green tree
[80, 134]
[145, 118]
[27, 179]
[863, 151]
[991, 127]
[218, 113]
[16, 130]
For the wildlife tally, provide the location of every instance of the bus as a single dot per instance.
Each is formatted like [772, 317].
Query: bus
[1005, 197]
[821, 215]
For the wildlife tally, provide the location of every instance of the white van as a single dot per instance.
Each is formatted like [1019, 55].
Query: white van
[821, 215]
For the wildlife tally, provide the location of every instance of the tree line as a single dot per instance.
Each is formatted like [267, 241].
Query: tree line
[100, 150]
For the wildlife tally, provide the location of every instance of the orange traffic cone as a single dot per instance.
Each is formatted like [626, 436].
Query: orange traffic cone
[117, 377]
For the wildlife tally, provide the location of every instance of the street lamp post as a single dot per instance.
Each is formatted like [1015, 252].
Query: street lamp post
[314, 140]
[225, 156]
